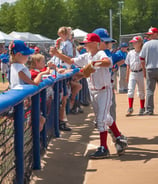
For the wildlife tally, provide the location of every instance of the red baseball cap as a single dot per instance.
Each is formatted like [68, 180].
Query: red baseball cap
[152, 30]
[37, 49]
[136, 39]
[91, 37]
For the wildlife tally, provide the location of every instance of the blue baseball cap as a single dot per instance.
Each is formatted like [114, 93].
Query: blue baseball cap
[103, 34]
[20, 46]
[124, 44]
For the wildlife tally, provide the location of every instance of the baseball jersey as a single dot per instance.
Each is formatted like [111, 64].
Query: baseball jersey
[122, 54]
[133, 60]
[114, 56]
[102, 76]
[14, 74]
[4, 58]
[150, 53]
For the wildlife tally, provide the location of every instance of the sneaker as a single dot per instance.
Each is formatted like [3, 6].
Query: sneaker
[100, 153]
[73, 111]
[80, 110]
[148, 113]
[141, 111]
[121, 145]
[129, 112]
[63, 127]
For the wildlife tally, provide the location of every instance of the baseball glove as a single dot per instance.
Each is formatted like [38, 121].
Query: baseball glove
[87, 70]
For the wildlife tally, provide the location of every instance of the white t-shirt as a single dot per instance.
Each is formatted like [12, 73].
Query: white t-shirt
[102, 76]
[133, 61]
[67, 49]
[14, 74]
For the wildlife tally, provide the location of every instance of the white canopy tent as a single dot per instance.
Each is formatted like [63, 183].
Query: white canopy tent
[43, 38]
[25, 36]
[5, 37]
[79, 34]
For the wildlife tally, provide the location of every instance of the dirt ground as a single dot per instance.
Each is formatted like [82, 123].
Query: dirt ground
[67, 161]
[3, 86]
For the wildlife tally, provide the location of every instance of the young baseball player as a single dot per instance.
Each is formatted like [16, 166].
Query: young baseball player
[117, 60]
[99, 83]
[123, 68]
[135, 75]
[4, 57]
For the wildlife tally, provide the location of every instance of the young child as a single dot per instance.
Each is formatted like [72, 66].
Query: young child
[99, 84]
[67, 48]
[106, 45]
[20, 74]
[55, 64]
[135, 75]
[37, 65]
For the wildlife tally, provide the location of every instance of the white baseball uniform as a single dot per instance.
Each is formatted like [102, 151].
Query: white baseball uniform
[99, 84]
[136, 74]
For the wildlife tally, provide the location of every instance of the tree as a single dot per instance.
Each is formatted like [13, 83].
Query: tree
[7, 17]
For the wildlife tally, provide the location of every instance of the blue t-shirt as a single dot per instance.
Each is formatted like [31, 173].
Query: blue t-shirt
[114, 56]
[4, 58]
[122, 54]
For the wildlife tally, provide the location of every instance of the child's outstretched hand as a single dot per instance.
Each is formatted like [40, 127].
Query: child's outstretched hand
[53, 51]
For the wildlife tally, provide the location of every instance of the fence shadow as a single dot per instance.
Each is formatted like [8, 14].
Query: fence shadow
[64, 161]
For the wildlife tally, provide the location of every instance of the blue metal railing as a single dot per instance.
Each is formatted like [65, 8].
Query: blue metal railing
[15, 99]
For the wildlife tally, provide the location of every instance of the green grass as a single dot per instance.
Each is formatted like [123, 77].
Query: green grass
[0, 76]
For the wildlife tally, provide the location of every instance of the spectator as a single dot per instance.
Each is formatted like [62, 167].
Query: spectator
[37, 50]
[68, 49]
[20, 74]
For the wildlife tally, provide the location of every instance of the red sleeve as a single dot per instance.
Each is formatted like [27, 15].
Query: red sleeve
[44, 69]
[33, 74]
[141, 58]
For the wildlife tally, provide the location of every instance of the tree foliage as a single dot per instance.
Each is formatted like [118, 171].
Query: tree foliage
[46, 16]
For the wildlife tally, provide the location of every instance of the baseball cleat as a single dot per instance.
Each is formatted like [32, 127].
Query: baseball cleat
[100, 153]
[141, 111]
[114, 138]
[129, 112]
[148, 113]
[121, 145]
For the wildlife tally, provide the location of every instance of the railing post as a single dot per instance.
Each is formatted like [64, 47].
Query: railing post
[56, 109]
[19, 142]
[44, 109]
[35, 130]
[65, 92]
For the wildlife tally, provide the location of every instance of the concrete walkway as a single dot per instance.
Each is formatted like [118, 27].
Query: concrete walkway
[67, 162]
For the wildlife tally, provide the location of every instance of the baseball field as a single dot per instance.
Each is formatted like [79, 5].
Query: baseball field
[66, 160]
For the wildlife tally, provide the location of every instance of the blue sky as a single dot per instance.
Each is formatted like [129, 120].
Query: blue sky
[9, 1]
